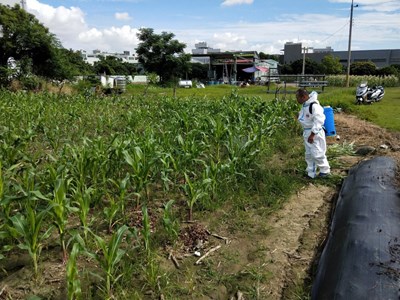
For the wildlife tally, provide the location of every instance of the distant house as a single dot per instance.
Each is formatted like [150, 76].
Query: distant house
[232, 66]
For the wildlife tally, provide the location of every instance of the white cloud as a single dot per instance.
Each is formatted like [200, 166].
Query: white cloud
[10, 2]
[371, 30]
[122, 16]
[373, 5]
[236, 2]
[65, 23]
[229, 41]
[69, 25]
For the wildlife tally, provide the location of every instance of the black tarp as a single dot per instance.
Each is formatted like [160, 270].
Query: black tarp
[361, 259]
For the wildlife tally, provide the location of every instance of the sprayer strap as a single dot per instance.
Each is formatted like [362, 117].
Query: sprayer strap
[310, 107]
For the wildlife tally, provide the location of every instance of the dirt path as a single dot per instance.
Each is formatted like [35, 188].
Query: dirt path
[300, 227]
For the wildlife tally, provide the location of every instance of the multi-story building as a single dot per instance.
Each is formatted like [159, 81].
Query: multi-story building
[93, 57]
[381, 58]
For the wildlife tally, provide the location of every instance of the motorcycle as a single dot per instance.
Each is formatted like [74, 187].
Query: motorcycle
[377, 93]
[369, 95]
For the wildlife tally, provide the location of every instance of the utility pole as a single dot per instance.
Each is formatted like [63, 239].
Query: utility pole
[23, 4]
[304, 61]
[349, 48]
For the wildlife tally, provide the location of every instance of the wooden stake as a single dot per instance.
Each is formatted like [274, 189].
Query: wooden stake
[207, 254]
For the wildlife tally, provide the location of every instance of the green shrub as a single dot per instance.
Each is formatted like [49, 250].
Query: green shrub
[31, 82]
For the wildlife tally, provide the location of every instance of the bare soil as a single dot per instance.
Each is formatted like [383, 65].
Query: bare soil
[283, 247]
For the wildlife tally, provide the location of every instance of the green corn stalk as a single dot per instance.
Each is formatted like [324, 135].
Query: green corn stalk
[168, 166]
[111, 211]
[28, 227]
[146, 231]
[194, 192]
[5, 238]
[170, 223]
[72, 274]
[1, 182]
[122, 186]
[60, 208]
[82, 198]
[141, 167]
[53, 137]
[152, 273]
[108, 256]
[212, 176]
[219, 130]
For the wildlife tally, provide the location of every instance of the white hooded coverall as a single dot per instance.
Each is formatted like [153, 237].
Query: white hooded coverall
[316, 152]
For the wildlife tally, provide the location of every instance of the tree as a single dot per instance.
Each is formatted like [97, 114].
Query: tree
[363, 68]
[161, 54]
[24, 37]
[198, 71]
[263, 55]
[76, 63]
[390, 70]
[31, 44]
[112, 65]
[285, 69]
[396, 66]
[332, 65]
[311, 67]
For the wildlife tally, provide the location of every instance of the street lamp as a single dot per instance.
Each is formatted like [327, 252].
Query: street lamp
[349, 48]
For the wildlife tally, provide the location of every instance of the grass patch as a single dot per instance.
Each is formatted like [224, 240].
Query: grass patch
[385, 113]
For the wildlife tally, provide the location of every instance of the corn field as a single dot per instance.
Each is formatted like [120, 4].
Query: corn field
[354, 80]
[88, 174]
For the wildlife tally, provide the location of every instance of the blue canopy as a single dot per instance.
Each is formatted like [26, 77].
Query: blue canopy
[255, 69]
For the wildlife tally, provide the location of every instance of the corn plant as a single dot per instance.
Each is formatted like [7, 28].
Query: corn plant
[146, 231]
[122, 186]
[194, 192]
[141, 168]
[189, 148]
[82, 198]
[219, 131]
[168, 166]
[52, 136]
[73, 282]
[1, 181]
[5, 202]
[213, 175]
[60, 207]
[170, 223]
[242, 151]
[111, 212]
[108, 255]
[28, 227]
[5, 209]
[5, 238]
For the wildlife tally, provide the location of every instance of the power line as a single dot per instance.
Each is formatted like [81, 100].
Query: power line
[335, 32]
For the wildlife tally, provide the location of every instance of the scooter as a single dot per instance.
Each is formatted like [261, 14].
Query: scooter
[377, 93]
[361, 93]
[367, 95]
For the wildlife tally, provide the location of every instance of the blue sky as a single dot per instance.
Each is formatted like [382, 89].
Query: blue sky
[260, 25]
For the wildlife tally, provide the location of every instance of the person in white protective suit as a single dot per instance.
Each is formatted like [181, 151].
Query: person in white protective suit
[312, 121]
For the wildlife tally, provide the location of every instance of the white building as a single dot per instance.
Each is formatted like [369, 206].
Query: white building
[93, 57]
[202, 49]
